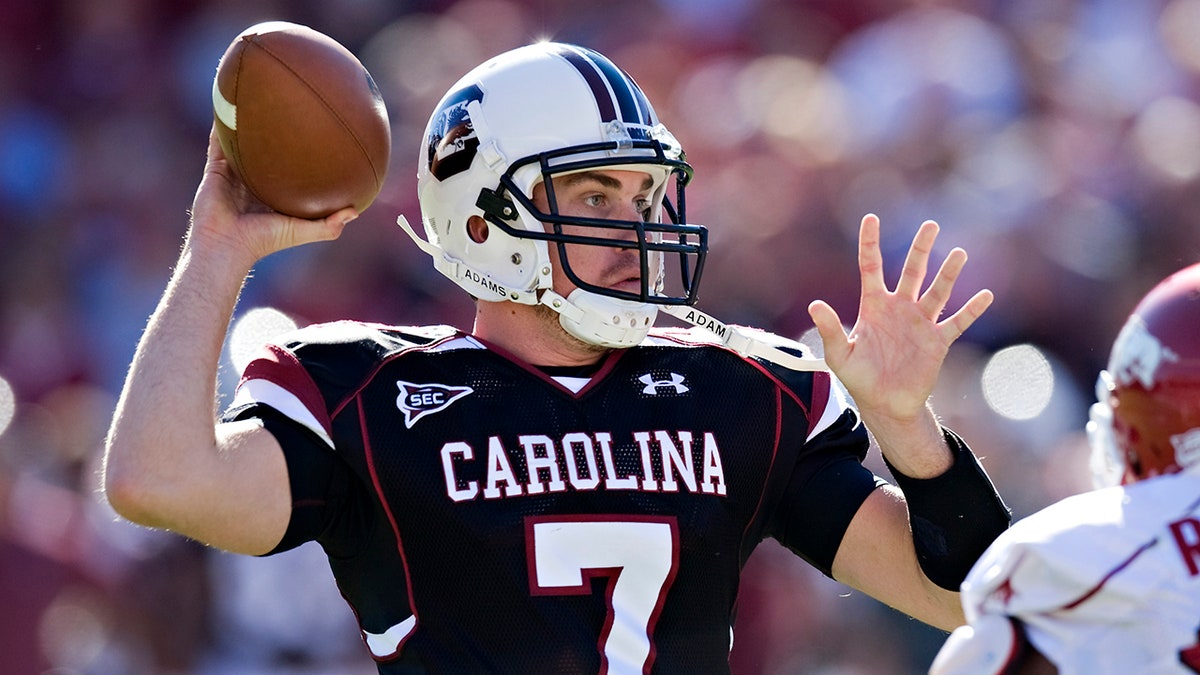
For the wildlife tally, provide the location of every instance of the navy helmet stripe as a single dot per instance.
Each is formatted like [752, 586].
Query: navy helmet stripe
[612, 88]
[643, 104]
[600, 92]
[622, 87]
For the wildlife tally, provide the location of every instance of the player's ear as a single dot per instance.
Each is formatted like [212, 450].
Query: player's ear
[477, 229]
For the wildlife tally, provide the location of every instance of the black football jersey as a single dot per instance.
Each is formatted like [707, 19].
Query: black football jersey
[480, 515]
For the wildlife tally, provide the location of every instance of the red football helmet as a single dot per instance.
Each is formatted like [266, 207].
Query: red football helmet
[1147, 419]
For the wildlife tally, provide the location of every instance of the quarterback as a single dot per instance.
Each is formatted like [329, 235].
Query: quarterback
[564, 487]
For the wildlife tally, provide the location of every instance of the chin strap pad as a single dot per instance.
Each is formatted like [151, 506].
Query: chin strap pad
[599, 320]
[746, 341]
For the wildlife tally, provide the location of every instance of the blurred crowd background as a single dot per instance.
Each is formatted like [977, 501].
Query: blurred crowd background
[1058, 141]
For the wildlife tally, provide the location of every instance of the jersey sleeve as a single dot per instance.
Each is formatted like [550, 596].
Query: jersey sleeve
[1054, 559]
[323, 488]
[828, 482]
[294, 388]
[1070, 575]
[824, 492]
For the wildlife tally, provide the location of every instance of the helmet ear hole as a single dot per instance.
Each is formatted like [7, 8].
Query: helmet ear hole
[477, 229]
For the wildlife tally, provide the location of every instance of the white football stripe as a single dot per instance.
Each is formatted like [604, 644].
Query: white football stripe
[226, 111]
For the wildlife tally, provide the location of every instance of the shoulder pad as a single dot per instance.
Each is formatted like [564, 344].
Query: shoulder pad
[379, 336]
[341, 355]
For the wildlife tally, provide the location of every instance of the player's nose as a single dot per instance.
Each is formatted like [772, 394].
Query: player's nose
[629, 213]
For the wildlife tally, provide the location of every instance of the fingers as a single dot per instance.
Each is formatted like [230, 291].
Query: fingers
[297, 231]
[938, 294]
[958, 323]
[334, 223]
[916, 263]
[215, 152]
[870, 257]
[912, 277]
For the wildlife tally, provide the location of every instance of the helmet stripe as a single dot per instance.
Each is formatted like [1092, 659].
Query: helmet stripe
[647, 113]
[612, 88]
[628, 94]
[604, 101]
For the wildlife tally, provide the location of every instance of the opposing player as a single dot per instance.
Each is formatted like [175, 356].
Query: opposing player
[1108, 581]
[563, 488]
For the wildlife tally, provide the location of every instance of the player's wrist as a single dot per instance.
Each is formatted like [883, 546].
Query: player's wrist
[226, 247]
[915, 447]
[955, 515]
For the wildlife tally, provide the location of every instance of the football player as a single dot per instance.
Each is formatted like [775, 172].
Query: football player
[1108, 581]
[563, 487]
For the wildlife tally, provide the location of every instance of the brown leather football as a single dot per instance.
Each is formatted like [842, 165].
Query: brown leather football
[300, 120]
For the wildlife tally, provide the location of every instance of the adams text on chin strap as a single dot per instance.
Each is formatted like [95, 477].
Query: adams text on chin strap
[743, 340]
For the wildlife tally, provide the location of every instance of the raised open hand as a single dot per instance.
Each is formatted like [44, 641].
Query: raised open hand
[891, 358]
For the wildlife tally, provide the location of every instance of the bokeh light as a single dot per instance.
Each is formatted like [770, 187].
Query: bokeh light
[1178, 23]
[254, 329]
[8, 405]
[1167, 138]
[74, 631]
[1018, 382]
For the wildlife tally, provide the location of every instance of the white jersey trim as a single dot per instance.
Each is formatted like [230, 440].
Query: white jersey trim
[838, 403]
[464, 342]
[269, 393]
[386, 643]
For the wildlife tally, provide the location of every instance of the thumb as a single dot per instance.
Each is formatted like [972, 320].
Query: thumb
[335, 222]
[322, 230]
[829, 325]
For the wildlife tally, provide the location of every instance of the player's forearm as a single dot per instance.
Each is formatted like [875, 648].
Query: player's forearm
[953, 515]
[165, 416]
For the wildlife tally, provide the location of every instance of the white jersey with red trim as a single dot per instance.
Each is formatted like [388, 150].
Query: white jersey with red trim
[1102, 582]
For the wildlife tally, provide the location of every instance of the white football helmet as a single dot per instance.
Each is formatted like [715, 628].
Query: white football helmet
[522, 118]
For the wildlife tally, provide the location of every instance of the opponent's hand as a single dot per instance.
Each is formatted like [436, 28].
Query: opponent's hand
[225, 215]
[891, 358]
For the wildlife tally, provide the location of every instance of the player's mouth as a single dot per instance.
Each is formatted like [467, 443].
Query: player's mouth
[625, 278]
[628, 284]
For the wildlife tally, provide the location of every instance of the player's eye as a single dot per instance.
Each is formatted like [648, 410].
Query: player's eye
[646, 208]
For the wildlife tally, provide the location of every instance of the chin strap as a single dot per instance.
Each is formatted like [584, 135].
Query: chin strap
[744, 341]
[479, 285]
[599, 320]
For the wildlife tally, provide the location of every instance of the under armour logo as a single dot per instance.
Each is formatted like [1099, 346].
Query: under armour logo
[653, 386]
[419, 400]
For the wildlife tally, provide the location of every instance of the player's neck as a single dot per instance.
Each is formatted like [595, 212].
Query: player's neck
[532, 334]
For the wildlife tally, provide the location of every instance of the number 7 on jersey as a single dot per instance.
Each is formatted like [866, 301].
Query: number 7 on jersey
[639, 556]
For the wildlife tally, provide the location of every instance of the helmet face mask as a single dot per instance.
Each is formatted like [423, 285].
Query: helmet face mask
[1146, 421]
[523, 119]
[652, 238]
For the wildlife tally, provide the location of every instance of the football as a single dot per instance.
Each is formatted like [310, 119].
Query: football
[300, 120]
